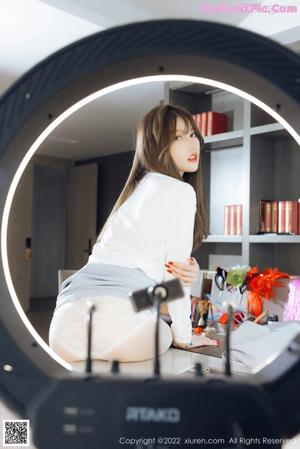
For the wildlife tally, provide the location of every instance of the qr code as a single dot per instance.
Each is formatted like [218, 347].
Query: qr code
[16, 432]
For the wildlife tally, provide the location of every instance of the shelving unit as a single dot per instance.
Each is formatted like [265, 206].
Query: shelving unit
[248, 163]
[223, 239]
[224, 140]
[272, 130]
[274, 238]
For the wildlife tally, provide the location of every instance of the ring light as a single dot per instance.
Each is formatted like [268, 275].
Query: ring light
[215, 54]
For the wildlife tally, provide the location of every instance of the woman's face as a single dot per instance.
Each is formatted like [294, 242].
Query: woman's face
[184, 147]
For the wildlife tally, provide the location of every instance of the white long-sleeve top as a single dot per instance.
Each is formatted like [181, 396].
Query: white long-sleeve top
[153, 226]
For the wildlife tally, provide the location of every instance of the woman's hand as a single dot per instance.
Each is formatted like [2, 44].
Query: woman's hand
[186, 272]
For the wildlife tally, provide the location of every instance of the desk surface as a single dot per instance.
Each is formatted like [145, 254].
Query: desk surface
[213, 351]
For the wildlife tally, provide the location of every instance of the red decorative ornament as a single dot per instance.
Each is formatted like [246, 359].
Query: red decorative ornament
[254, 303]
[260, 287]
[223, 318]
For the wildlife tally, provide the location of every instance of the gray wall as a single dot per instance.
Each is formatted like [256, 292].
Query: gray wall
[19, 227]
[48, 229]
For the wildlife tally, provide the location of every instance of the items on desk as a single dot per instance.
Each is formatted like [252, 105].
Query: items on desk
[258, 284]
[238, 318]
[292, 308]
[273, 318]
[203, 306]
[252, 345]
[201, 309]
[210, 331]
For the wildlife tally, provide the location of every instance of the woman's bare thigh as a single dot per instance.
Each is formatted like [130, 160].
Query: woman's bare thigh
[117, 332]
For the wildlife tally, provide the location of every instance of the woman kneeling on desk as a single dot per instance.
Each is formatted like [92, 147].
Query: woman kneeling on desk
[157, 221]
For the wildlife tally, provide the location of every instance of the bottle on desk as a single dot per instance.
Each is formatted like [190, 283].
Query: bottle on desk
[273, 319]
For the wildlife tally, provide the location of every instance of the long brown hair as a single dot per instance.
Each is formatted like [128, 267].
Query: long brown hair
[155, 134]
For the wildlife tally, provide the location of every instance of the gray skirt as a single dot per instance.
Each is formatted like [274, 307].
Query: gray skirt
[96, 279]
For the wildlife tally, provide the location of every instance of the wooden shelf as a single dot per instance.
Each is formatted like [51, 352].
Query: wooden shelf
[223, 239]
[271, 130]
[225, 140]
[265, 238]
[253, 239]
